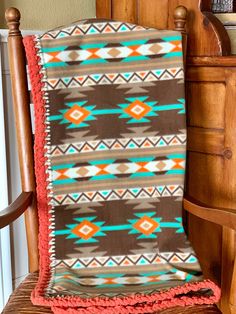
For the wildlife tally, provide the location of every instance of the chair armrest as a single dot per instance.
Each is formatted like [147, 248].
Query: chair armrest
[221, 216]
[15, 209]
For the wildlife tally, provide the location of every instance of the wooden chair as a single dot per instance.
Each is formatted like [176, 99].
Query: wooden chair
[25, 203]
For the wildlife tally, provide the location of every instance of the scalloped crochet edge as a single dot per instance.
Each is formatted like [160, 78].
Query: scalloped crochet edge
[138, 303]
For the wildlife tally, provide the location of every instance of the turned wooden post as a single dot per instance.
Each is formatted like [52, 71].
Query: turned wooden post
[232, 299]
[180, 20]
[21, 104]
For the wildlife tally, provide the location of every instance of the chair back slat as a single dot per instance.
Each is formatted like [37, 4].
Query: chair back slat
[21, 104]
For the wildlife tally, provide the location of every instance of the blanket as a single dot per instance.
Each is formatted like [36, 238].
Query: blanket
[110, 150]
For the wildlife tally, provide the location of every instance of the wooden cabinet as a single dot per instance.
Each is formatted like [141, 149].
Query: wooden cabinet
[211, 172]
[211, 105]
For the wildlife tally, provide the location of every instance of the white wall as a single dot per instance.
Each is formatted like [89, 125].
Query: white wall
[18, 238]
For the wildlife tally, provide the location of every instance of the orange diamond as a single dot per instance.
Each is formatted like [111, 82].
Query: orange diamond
[137, 109]
[146, 225]
[85, 230]
[76, 114]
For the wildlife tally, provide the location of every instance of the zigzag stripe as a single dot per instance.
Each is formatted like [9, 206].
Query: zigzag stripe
[120, 143]
[115, 78]
[126, 260]
[117, 194]
[91, 29]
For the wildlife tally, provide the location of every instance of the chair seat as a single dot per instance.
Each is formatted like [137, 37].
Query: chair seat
[19, 302]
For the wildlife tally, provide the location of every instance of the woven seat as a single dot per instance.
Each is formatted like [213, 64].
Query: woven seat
[19, 302]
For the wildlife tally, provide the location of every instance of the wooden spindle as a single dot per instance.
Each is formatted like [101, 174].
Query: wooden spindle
[13, 16]
[21, 103]
[180, 18]
[233, 290]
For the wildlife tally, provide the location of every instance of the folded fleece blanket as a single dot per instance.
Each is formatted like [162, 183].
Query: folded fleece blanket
[110, 144]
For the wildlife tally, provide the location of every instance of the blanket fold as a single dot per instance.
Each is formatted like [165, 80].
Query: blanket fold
[110, 150]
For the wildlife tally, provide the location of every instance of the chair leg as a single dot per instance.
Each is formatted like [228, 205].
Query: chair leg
[227, 270]
[233, 290]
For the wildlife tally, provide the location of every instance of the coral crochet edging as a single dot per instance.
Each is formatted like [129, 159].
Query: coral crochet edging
[75, 231]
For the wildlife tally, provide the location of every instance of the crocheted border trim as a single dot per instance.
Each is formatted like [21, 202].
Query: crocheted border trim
[139, 303]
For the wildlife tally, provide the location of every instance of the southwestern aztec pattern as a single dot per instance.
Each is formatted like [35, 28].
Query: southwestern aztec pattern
[110, 150]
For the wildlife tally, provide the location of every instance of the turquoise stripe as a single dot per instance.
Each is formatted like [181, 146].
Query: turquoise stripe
[142, 174]
[172, 38]
[61, 232]
[175, 171]
[93, 61]
[103, 177]
[189, 277]
[92, 46]
[82, 241]
[135, 58]
[55, 64]
[116, 228]
[107, 111]
[54, 49]
[62, 166]
[140, 159]
[72, 236]
[65, 181]
[170, 225]
[174, 156]
[173, 54]
[55, 118]
[168, 107]
[134, 42]
[101, 162]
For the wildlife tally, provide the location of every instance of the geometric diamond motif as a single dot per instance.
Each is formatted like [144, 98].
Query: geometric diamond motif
[137, 109]
[73, 55]
[122, 168]
[155, 48]
[161, 165]
[132, 280]
[82, 171]
[114, 52]
[85, 230]
[76, 114]
[146, 225]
